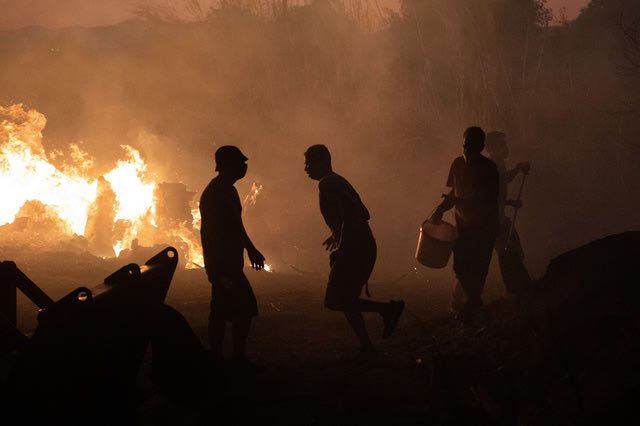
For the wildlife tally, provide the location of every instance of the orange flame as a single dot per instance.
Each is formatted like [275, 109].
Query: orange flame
[27, 175]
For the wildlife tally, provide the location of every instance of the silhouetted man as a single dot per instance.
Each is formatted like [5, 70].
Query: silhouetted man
[224, 240]
[475, 182]
[508, 247]
[353, 250]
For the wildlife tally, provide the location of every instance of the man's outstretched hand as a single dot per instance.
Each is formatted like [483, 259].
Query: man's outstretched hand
[330, 243]
[256, 258]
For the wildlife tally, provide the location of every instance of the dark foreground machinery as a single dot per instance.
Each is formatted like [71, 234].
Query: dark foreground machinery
[82, 364]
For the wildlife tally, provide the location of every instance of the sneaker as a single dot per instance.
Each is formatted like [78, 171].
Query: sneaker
[391, 318]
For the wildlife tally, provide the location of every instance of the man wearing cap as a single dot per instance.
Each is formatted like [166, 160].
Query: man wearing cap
[474, 181]
[353, 250]
[224, 240]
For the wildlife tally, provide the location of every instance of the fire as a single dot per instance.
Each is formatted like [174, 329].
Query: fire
[134, 196]
[252, 196]
[26, 173]
[133, 187]
[61, 194]
[114, 212]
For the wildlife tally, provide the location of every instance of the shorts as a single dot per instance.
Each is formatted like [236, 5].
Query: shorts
[350, 271]
[471, 258]
[235, 301]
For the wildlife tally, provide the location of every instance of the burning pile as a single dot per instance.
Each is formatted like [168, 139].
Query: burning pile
[43, 204]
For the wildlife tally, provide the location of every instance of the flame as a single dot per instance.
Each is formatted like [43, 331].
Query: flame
[61, 191]
[26, 174]
[134, 190]
[252, 196]
[134, 194]
[111, 211]
[118, 248]
[197, 219]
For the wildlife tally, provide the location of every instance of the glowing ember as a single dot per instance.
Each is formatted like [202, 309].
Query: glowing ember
[267, 268]
[252, 196]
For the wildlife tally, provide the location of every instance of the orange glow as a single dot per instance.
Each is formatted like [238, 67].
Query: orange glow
[252, 196]
[72, 193]
[26, 174]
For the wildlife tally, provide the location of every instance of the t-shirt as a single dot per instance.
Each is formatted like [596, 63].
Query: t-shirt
[221, 230]
[476, 185]
[342, 209]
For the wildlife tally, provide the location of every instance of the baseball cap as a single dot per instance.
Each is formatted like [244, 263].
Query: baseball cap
[229, 154]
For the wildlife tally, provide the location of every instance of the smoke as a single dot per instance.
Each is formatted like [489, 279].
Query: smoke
[389, 95]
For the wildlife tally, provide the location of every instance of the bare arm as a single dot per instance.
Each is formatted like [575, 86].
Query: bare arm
[449, 201]
[255, 257]
[334, 217]
[331, 207]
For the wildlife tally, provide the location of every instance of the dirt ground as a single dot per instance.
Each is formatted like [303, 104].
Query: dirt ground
[567, 351]
[306, 350]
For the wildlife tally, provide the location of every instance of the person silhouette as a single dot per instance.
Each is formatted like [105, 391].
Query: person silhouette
[353, 251]
[474, 181]
[224, 240]
[508, 246]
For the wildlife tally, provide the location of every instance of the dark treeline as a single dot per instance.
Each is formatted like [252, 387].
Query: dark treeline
[390, 97]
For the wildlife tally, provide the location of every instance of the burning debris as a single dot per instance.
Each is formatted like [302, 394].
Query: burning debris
[252, 196]
[44, 203]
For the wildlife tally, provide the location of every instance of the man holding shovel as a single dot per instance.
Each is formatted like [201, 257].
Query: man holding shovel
[474, 180]
[508, 247]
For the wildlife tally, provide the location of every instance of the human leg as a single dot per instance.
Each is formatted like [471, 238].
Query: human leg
[356, 321]
[389, 311]
[363, 305]
[216, 333]
[240, 332]
[459, 298]
[472, 256]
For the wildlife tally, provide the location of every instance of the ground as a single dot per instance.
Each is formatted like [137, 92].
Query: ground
[307, 350]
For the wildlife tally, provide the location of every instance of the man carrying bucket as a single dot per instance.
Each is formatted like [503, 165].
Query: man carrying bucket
[474, 180]
[353, 250]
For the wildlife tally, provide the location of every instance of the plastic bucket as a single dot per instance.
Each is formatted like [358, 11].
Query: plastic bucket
[436, 244]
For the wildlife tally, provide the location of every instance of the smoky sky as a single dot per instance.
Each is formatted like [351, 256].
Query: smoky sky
[64, 13]
[391, 105]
